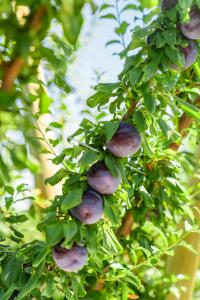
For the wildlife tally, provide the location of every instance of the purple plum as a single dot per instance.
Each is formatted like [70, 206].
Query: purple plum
[70, 260]
[101, 180]
[191, 30]
[167, 4]
[126, 141]
[190, 53]
[90, 210]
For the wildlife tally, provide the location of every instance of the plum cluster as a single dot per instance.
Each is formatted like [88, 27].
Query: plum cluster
[126, 141]
[190, 30]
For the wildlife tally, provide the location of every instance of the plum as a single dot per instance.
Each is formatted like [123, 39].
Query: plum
[70, 260]
[167, 4]
[190, 53]
[101, 180]
[126, 141]
[90, 210]
[191, 30]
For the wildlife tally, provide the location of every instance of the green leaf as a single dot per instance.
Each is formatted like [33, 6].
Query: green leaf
[110, 129]
[57, 177]
[164, 127]
[91, 237]
[72, 199]
[108, 16]
[111, 165]
[140, 121]
[12, 262]
[55, 125]
[9, 292]
[175, 55]
[110, 242]
[31, 283]
[111, 42]
[45, 102]
[69, 229]
[189, 108]
[147, 198]
[150, 69]
[134, 76]
[54, 233]
[40, 257]
[71, 19]
[4, 170]
[105, 6]
[9, 189]
[110, 212]
[150, 102]
[88, 157]
[147, 148]
[16, 219]
[121, 30]
[129, 7]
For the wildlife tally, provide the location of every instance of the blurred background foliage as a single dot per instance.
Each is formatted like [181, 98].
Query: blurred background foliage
[39, 44]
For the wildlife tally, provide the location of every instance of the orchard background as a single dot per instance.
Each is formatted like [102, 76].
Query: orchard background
[146, 244]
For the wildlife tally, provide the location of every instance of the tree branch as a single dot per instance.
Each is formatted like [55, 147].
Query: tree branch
[129, 111]
[15, 67]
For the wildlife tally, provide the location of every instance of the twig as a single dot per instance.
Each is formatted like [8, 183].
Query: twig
[130, 111]
[45, 139]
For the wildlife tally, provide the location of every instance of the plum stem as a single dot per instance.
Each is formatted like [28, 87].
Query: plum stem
[130, 111]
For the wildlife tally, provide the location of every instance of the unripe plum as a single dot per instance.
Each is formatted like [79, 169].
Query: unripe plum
[126, 141]
[70, 260]
[90, 210]
[167, 4]
[190, 53]
[191, 30]
[101, 180]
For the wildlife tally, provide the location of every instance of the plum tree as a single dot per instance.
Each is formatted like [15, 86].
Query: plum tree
[167, 4]
[191, 29]
[91, 208]
[70, 260]
[190, 53]
[101, 180]
[126, 141]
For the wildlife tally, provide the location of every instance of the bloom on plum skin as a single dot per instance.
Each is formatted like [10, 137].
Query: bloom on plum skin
[90, 210]
[191, 30]
[126, 141]
[101, 180]
[70, 260]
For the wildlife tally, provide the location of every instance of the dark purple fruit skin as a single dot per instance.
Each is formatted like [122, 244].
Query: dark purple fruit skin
[191, 30]
[90, 210]
[126, 141]
[167, 4]
[70, 260]
[101, 180]
[190, 53]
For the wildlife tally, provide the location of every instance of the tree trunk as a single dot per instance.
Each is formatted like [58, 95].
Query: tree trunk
[184, 261]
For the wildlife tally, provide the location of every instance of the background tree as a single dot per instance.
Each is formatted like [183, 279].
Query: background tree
[151, 109]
